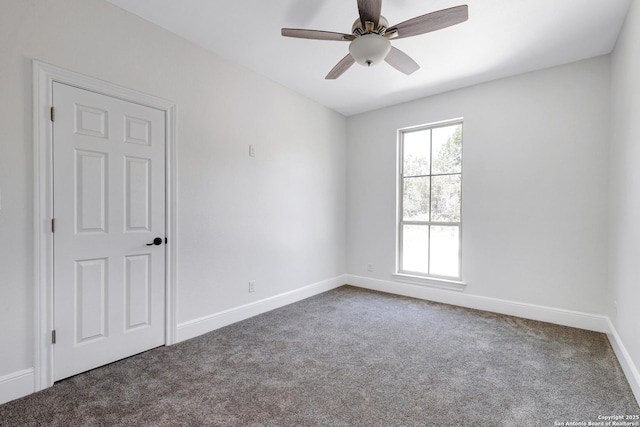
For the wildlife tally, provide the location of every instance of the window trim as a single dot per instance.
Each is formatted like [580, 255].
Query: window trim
[438, 281]
[432, 282]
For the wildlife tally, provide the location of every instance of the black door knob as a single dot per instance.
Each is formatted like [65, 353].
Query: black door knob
[156, 241]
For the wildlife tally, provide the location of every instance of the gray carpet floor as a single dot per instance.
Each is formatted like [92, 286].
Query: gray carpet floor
[350, 357]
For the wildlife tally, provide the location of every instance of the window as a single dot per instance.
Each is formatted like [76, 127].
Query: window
[430, 200]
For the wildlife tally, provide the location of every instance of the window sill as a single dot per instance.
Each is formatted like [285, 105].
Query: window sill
[432, 282]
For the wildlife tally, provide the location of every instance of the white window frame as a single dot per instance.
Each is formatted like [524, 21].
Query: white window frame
[446, 282]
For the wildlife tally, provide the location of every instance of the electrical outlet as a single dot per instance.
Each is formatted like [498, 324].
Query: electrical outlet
[252, 285]
[252, 151]
[369, 267]
[615, 309]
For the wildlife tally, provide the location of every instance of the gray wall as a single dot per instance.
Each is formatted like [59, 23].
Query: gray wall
[534, 181]
[278, 218]
[624, 203]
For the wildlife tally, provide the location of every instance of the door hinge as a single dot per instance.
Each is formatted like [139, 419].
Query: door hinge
[53, 225]
[53, 336]
[53, 114]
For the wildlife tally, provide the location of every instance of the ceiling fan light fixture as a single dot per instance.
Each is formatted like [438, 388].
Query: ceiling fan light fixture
[369, 49]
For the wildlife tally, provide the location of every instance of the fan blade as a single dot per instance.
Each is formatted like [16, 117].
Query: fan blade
[341, 67]
[401, 61]
[369, 11]
[316, 34]
[431, 22]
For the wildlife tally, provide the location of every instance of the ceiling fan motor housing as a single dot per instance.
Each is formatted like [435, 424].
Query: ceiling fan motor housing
[358, 30]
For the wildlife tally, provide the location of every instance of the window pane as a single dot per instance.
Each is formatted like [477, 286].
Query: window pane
[415, 248]
[445, 198]
[415, 199]
[447, 149]
[417, 154]
[445, 247]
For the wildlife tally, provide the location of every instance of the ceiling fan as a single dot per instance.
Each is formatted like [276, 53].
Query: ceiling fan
[371, 34]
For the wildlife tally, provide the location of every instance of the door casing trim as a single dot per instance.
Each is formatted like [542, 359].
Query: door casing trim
[43, 77]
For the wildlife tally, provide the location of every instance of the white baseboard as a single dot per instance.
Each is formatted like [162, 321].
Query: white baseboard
[193, 328]
[557, 316]
[16, 385]
[629, 368]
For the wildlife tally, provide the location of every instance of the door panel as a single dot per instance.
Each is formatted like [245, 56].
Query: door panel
[91, 191]
[90, 300]
[137, 291]
[109, 203]
[137, 194]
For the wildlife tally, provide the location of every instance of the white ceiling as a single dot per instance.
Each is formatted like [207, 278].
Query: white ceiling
[501, 38]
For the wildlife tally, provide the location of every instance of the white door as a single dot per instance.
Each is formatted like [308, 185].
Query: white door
[109, 205]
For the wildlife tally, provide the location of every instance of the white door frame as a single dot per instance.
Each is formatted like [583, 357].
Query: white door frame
[43, 77]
